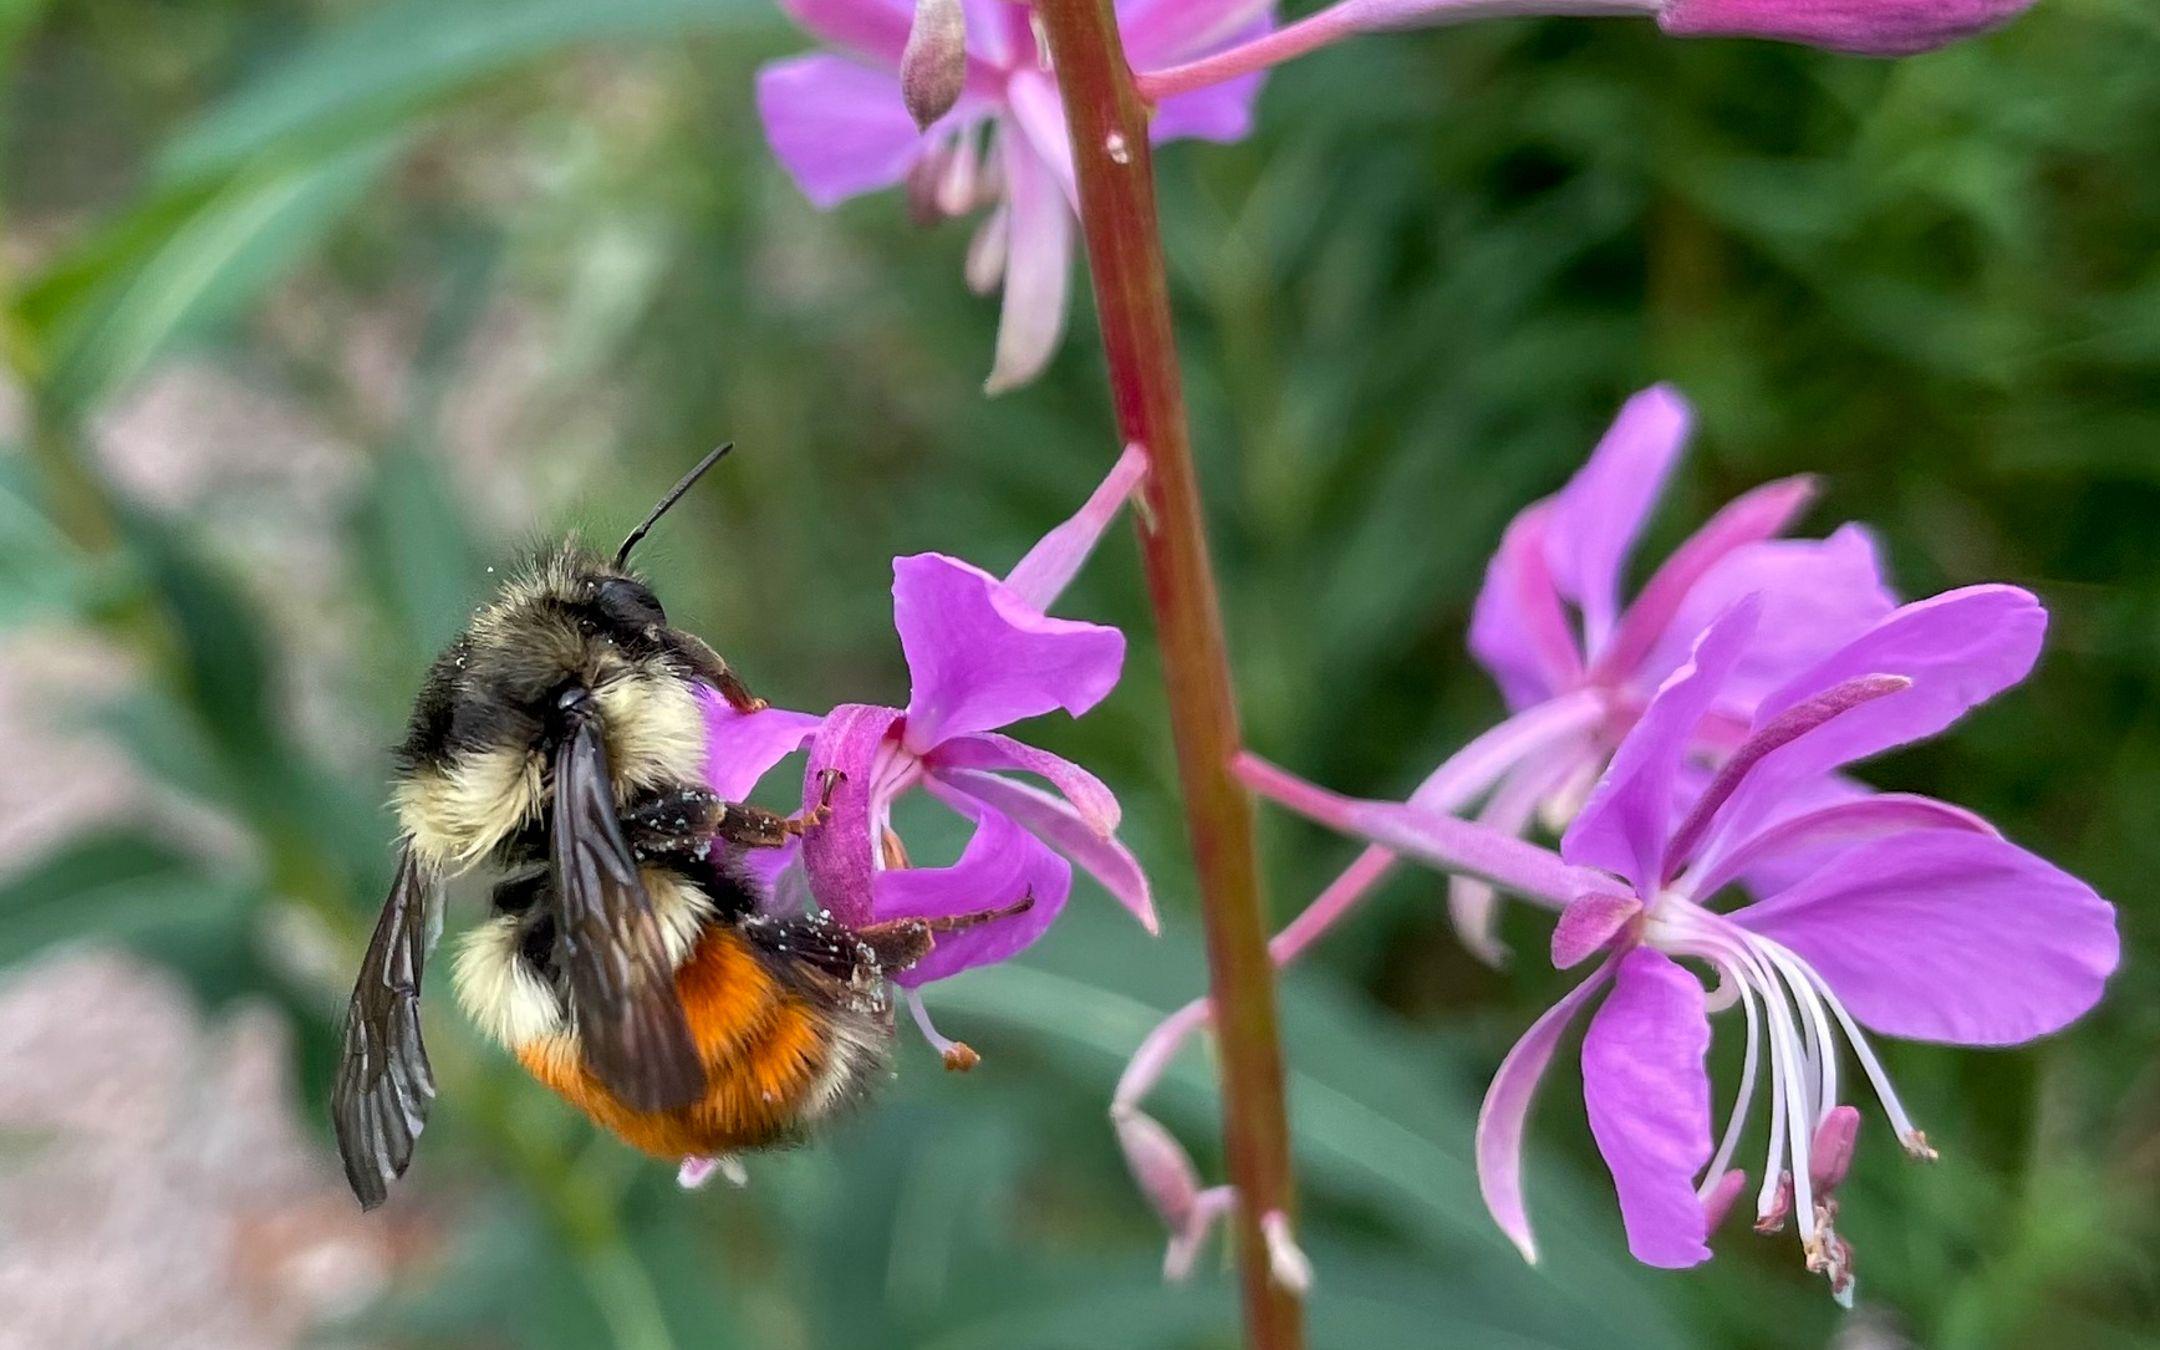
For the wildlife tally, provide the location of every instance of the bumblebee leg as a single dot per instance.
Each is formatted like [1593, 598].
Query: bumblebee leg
[756, 827]
[900, 943]
[676, 824]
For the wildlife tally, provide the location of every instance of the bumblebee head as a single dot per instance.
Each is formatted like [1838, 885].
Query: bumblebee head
[473, 766]
[571, 626]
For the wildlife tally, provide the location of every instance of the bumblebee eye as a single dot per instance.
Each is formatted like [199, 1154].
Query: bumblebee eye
[630, 603]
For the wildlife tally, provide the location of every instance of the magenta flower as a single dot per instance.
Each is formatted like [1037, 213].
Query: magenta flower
[1858, 27]
[1910, 918]
[839, 125]
[1577, 665]
[981, 654]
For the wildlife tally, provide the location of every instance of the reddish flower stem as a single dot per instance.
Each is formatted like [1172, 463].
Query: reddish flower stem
[1124, 246]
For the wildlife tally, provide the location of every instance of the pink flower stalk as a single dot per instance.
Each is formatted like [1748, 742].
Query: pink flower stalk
[1907, 917]
[840, 126]
[981, 654]
[1857, 27]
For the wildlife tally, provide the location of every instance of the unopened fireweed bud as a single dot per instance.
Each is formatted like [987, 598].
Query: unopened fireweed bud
[933, 65]
[1862, 27]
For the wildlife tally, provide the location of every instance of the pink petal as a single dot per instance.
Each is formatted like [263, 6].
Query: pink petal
[1623, 827]
[1506, 1110]
[1220, 112]
[1959, 649]
[1597, 516]
[1801, 720]
[1093, 803]
[1817, 595]
[1038, 113]
[997, 31]
[1049, 567]
[979, 657]
[1038, 266]
[779, 876]
[742, 748]
[838, 128]
[1774, 871]
[1836, 827]
[841, 856]
[877, 28]
[1949, 935]
[1166, 32]
[1749, 518]
[1649, 1102]
[1587, 924]
[1001, 865]
[1055, 822]
[1217, 112]
[1519, 631]
[1862, 27]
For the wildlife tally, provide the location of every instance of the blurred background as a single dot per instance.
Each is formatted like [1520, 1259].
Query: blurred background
[314, 310]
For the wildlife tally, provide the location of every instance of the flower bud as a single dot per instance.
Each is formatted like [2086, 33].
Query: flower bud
[1718, 1202]
[1830, 1157]
[1862, 27]
[933, 65]
[1160, 1165]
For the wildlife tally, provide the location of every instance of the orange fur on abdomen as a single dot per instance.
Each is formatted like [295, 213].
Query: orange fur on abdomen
[764, 1048]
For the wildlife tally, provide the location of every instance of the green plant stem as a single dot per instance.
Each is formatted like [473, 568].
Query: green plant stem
[1108, 122]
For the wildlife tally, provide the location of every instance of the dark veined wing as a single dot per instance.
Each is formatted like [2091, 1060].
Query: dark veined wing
[384, 1086]
[629, 1018]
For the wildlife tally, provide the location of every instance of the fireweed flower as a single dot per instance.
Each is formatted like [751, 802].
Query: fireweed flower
[1576, 666]
[1911, 918]
[981, 654]
[839, 125]
[1856, 27]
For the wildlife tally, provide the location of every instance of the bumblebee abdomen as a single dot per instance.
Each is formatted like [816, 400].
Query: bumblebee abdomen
[778, 1058]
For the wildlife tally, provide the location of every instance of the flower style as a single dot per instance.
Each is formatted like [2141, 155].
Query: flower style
[981, 654]
[1856, 27]
[840, 126]
[1907, 917]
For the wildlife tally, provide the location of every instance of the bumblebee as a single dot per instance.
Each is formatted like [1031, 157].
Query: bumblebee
[628, 963]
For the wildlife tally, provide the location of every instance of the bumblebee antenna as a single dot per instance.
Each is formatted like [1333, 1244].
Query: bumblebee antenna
[674, 495]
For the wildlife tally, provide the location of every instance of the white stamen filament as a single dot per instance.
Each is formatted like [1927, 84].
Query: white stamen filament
[1821, 1046]
[1744, 1094]
[1877, 1076]
[1792, 1123]
[1794, 1018]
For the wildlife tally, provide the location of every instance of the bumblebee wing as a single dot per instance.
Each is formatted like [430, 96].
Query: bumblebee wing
[384, 1086]
[630, 1021]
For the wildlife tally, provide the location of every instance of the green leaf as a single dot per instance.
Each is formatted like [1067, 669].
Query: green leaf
[397, 58]
[41, 574]
[122, 888]
[190, 264]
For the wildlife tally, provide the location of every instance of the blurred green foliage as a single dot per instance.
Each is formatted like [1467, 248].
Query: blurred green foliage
[1408, 305]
